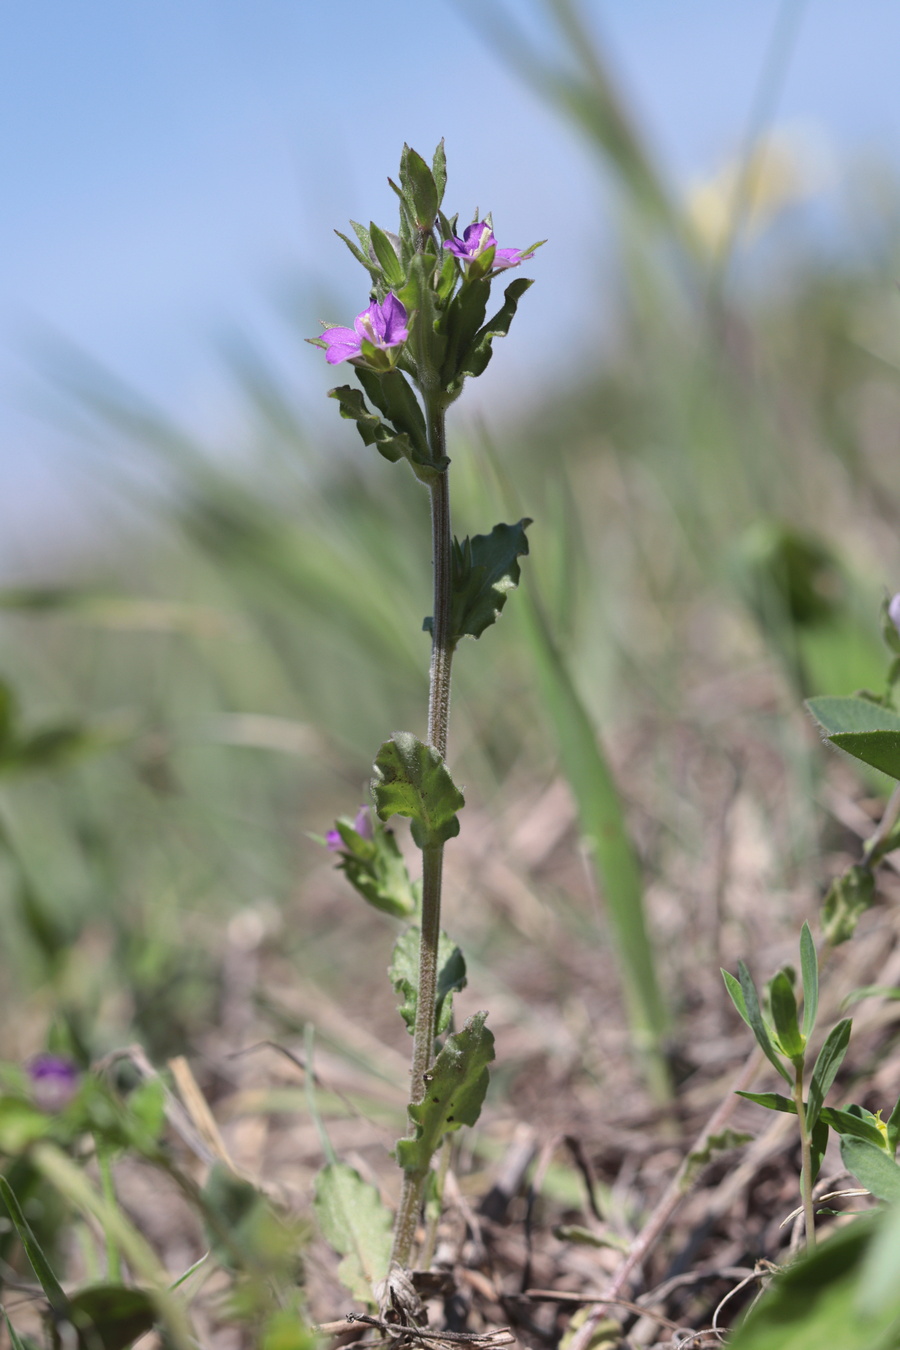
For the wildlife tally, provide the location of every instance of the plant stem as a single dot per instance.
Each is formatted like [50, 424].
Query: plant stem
[432, 857]
[806, 1183]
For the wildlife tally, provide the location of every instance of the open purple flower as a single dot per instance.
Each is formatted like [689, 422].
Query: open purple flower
[477, 238]
[54, 1081]
[384, 325]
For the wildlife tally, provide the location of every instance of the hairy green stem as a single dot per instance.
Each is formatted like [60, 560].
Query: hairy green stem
[432, 857]
[806, 1181]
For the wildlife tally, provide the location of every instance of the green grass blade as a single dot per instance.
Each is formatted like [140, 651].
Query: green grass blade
[603, 824]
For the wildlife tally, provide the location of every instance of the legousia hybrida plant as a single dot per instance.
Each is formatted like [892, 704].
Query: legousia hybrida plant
[424, 332]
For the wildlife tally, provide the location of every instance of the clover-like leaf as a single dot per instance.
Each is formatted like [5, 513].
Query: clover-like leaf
[404, 973]
[866, 730]
[485, 570]
[455, 1087]
[358, 1226]
[411, 779]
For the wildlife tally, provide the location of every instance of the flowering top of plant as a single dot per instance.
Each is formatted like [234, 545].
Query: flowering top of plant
[476, 239]
[382, 325]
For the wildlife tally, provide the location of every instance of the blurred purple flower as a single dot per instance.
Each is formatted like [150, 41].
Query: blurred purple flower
[362, 825]
[383, 325]
[54, 1081]
[477, 239]
[894, 611]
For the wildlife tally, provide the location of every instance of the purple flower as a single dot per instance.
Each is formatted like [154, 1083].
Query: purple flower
[383, 325]
[893, 610]
[477, 239]
[362, 825]
[54, 1081]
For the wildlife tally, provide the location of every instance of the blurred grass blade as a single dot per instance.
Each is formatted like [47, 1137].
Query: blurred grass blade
[51, 1286]
[603, 825]
[71, 1182]
[584, 89]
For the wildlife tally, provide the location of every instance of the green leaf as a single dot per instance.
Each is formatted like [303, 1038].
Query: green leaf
[373, 271]
[439, 169]
[394, 398]
[809, 966]
[387, 441]
[872, 1166]
[16, 1341]
[829, 1061]
[485, 570]
[358, 1226]
[242, 1229]
[713, 1145]
[459, 324]
[818, 1143]
[893, 1128]
[20, 1124]
[859, 1127]
[107, 1317]
[756, 1023]
[404, 973]
[412, 780]
[386, 255]
[454, 1092]
[813, 1304]
[863, 729]
[376, 869]
[773, 1101]
[51, 1286]
[784, 1016]
[733, 985]
[476, 360]
[849, 896]
[419, 188]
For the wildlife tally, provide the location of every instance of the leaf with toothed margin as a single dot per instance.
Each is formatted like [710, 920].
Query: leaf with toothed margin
[404, 973]
[455, 1088]
[485, 570]
[411, 779]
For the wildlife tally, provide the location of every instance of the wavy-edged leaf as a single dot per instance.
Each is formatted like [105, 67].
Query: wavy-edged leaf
[455, 1087]
[404, 973]
[390, 443]
[358, 1226]
[481, 349]
[485, 570]
[411, 779]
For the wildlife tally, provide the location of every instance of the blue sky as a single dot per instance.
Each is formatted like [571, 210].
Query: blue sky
[173, 169]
